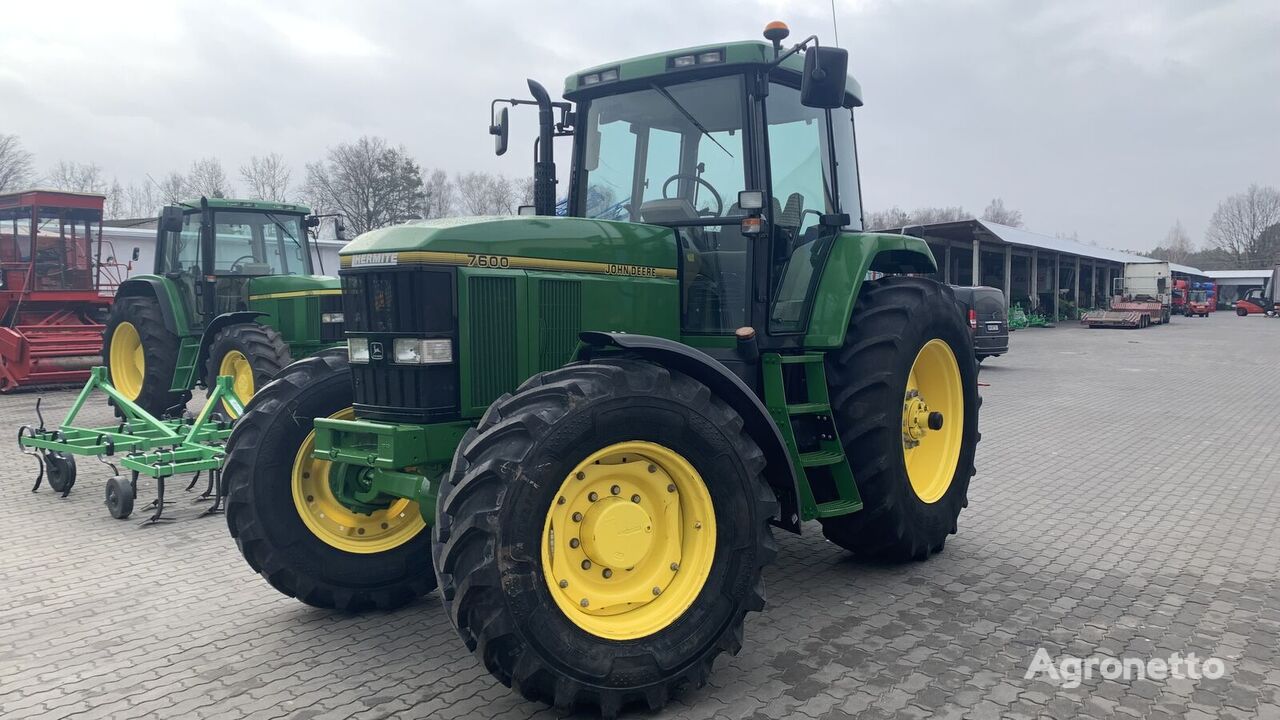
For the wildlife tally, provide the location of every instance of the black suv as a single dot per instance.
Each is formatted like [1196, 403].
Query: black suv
[985, 310]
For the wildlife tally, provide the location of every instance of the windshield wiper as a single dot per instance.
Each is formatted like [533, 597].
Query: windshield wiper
[278, 224]
[689, 116]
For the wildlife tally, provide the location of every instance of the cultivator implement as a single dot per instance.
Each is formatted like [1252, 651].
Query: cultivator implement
[141, 443]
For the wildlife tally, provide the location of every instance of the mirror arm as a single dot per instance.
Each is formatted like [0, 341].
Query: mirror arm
[802, 45]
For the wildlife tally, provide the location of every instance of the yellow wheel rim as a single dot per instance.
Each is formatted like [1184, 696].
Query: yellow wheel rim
[128, 362]
[331, 521]
[933, 420]
[629, 540]
[236, 365]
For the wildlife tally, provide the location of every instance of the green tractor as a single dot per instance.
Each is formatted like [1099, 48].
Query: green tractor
[584, 428]
[233, 293]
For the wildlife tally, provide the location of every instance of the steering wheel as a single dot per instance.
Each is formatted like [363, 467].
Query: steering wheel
[235, 264]
[681, 176]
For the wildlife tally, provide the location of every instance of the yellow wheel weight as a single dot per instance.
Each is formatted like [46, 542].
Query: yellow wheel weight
[128, 361]
[336, 525]
[933, 420]
[629, 540]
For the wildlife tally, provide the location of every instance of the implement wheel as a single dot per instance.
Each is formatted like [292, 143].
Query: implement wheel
[905, 392]
[285, 517]
[119, 497]
[61, 469]
[251, 354]
[140, 354]
[601, 535]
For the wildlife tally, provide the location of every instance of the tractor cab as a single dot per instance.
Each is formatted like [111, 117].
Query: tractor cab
[54, 291]
[234, 246]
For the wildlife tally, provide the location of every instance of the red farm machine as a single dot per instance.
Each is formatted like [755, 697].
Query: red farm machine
[55, 292]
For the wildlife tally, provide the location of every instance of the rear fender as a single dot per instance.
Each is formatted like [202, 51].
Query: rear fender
[166, 295]
[779, 471]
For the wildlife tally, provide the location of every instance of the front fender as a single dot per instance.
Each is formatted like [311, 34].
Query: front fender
[852, 256]
[779, 471]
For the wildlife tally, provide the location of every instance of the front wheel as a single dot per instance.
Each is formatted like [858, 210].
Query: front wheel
[250, 354]
[1241, 312]
[287, 520]
[905, 395]
[601, 535]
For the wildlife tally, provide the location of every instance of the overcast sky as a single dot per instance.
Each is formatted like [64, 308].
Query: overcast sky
[1108, 119]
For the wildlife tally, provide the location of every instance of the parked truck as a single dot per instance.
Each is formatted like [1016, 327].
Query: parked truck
[1141, 298]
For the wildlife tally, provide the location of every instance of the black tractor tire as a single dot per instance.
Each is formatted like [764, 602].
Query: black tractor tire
[266, 524]
[262, 346]
[159, 351]
[892, 320]
[61, 470]
[119, 497]
[493, 504]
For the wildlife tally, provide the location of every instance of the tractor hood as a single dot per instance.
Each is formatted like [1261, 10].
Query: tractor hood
[276, 285]
[520, 242]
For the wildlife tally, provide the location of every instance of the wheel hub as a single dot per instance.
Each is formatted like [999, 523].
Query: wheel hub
[932, 434]
[628, 540]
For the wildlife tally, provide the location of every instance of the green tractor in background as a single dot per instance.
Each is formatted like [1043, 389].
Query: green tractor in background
[583, 428]
[233, 293]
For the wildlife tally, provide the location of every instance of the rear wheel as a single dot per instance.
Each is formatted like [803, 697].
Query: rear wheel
[905, 395]
[601, 535]
[251, 354]
[119, 497]
[286, 518]
[141, 354]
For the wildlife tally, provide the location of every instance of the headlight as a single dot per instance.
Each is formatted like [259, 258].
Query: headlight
[358, 350]
[417, 351]
[330, 317]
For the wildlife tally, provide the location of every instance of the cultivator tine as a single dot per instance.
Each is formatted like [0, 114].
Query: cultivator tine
[109, 448]
[195, 479]
[216, 481]
[39, 456]
[208, 491]
[158, 504]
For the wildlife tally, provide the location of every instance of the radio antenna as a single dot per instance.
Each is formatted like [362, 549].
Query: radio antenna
[835, 29]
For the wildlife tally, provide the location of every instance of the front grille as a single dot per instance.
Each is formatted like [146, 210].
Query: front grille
[493, 338]
[387, 303]
[560, 319]
[330, 332]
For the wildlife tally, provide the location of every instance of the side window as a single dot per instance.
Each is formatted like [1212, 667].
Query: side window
[184, 255]
[611, 158]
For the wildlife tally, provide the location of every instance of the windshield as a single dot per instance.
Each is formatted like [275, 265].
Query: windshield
[259, 243]
[666, 154]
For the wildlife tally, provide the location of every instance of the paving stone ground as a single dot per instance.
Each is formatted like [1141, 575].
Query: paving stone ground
[1126, 505]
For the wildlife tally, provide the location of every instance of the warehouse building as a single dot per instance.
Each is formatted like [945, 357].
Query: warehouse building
[1233, 284]
[1037, 272]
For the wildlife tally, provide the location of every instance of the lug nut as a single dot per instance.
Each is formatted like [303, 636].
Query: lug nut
[593, 497]
[560, 501]
[635, 498]
[657, 591]
[581, 476]
[586, 564]
[615, 490]
[675, 567]
[607, 573]
[671, 488]
[573, 542]
[653, 468]
[577, 517]
[584, 602]
[564, 584]
[697, 526]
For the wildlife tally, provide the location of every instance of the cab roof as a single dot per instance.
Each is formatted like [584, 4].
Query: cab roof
[660, 65]
[234, 204]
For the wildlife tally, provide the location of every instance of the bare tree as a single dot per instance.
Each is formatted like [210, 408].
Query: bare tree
[1177, 244]
[77, 177]
[503, 195]
[996, 212]
[369, 182]
[115, 207]
[1238, 224]
[471, 191]
[15, 163]
[172, 189]
[439, 195]
[207, 179]
[525, 188]
[267, 177]
[894, 217]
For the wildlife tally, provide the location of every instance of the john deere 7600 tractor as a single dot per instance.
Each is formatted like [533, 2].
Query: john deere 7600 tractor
[584, 429]
[233, 293]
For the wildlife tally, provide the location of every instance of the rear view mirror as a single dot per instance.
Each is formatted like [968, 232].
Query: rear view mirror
[339, 230]
[171, 219]
[312, 221]
[825, 72]
[137, 252]
[499, 132]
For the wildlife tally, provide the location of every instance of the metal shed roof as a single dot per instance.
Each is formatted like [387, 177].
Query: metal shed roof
[1027, 238]
[1238, 274]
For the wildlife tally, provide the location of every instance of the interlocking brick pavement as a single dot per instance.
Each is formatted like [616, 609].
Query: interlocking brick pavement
[1126, 503]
